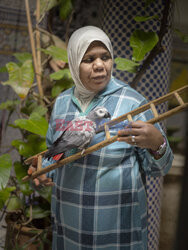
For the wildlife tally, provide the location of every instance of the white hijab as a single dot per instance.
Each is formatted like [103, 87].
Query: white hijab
[77, 46]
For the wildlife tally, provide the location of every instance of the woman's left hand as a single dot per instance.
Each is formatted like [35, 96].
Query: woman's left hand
[141, 134]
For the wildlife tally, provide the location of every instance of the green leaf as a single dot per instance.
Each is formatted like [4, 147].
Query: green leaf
[61, 85]
[32, 146]
[57, 53]
[182, 36]
[126, 65]
[20, 77]
[45, 6]
[65, 9]
[5, 169]
[35, 124]
[37, 212]
[14, 204]
[4, 195]
[20, 170]
[22, 57]
[46, 192]
[60, 74]
[3, 69]
[10, 105]
[142, 42]
[145, 18]
[32, 106]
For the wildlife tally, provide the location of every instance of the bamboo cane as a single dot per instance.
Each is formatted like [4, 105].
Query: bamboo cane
[109, 140]
[30, 29]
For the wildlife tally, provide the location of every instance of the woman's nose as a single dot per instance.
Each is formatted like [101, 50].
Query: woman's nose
[98, 64]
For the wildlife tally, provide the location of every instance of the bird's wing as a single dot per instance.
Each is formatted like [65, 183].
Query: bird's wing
[77, 133]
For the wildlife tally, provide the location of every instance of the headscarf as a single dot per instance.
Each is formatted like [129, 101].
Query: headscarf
[77, 46]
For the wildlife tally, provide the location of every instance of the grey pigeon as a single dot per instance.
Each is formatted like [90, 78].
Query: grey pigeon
[77, 134]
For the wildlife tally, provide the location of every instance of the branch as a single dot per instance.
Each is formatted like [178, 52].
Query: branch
[158, 48]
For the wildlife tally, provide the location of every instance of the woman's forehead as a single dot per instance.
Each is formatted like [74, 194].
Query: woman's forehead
[96, 44]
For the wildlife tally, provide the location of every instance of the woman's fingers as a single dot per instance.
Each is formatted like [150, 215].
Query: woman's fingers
[141, 134]
[40, 180]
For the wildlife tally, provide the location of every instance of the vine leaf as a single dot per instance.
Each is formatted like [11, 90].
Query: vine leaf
[20, 77]
[142, 42]
[32, 146]
[65, 9]
[35, 124]
[5, 168]
[56, 52]
[145, 18]
[125, 64]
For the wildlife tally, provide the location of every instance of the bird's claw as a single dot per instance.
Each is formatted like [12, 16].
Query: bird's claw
[83, 151]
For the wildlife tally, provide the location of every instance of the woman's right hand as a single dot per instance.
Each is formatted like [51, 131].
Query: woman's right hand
[41, 180]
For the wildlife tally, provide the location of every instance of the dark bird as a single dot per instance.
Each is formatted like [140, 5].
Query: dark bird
[77, 134]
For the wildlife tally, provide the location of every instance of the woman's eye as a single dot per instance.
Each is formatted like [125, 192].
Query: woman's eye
[105, 58]
[88, 60]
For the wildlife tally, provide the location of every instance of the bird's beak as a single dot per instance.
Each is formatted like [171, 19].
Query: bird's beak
[107, 115]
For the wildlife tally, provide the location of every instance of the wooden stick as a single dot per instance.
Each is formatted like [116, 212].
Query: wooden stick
[29, 160]
[107, 131]
[38, 42]
[154, 110]
[72, 158]
[179, 99]
[98, 146]
[124, 117]
[129, 117]
[144, 107]
[30, 29]
[39, 163]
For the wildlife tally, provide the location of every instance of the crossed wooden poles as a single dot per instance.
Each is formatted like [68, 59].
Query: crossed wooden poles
[181, 105]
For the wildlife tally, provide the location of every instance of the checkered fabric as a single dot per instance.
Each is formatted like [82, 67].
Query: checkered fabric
[99, 201]
[117, 20]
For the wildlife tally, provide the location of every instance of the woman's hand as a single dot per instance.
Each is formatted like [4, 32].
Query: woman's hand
[141, 134]
[41, 180]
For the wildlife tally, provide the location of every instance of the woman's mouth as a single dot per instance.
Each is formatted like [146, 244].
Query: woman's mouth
[99, 78]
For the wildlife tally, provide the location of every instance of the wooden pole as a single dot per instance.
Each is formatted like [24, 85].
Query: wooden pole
[36, 66]
[114, 138]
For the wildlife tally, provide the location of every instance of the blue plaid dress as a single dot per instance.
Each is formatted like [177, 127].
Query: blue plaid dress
[99, 201]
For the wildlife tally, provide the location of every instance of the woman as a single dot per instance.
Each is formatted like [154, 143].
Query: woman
[99, 201]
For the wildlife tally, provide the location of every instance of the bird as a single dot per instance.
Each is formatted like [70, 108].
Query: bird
[77, 134]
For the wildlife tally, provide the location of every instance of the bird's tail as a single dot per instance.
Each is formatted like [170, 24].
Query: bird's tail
[57, 157]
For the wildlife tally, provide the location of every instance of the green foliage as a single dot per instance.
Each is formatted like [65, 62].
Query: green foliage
[14, 203]
[142, 42]
[45, 6]
[4, 195]
[35, 124]
[9, 105]
[181, 35]
[66, 8]
[5, 168]
[22, 57]
[3, 69]
[125, 64]
[61, 74]
[60, 86]
[56, 52]
[33, 107]
[37, 212]
[145, 18]
[33, 145]
[20, 77]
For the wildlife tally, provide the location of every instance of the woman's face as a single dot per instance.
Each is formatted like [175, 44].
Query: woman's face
[96, 67]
